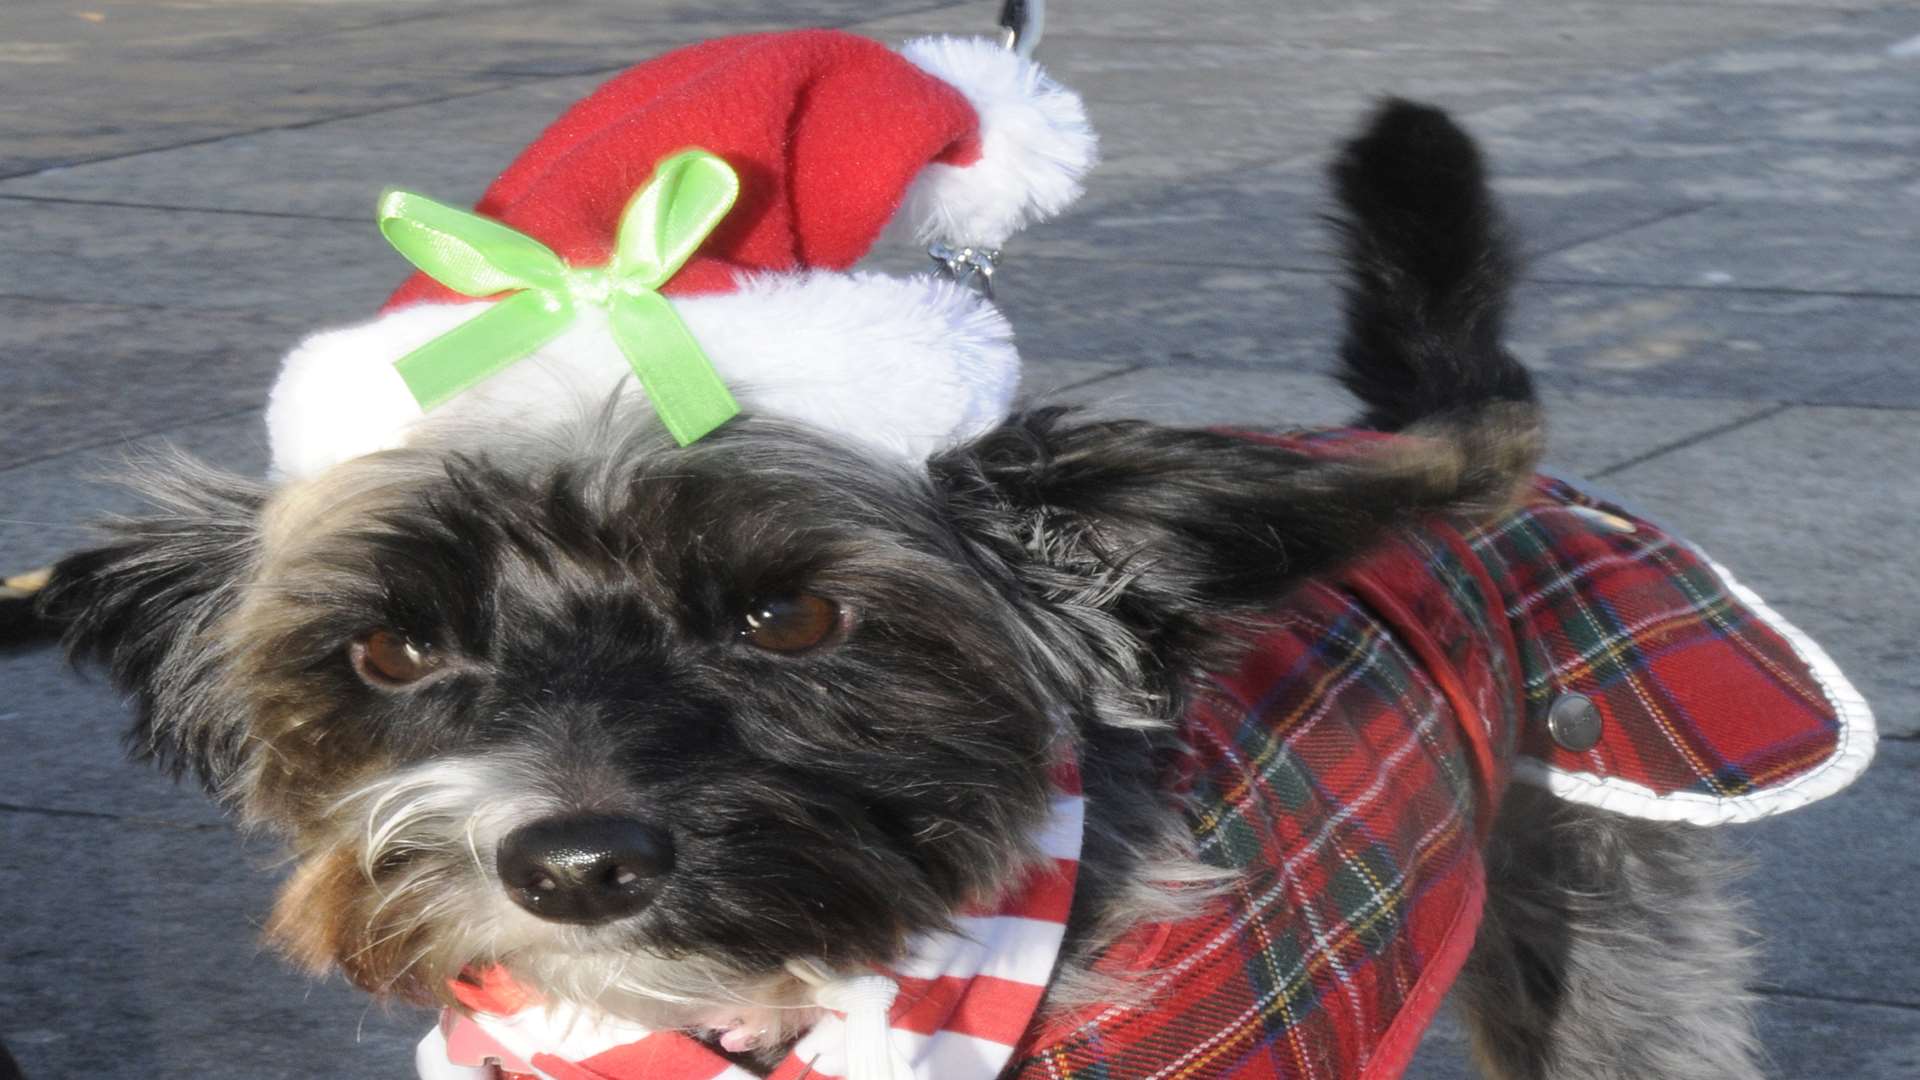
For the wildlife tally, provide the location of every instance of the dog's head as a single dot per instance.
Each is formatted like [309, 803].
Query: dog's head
[651, 722]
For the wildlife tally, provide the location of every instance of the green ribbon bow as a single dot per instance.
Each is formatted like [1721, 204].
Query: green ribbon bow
[659, 231]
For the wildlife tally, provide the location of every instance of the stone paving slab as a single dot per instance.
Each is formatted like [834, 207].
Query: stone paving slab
[1307, 80]
[1814, 1039]
[1620, 340]
[1214, 316]
[1709, 343]
[1819, 930]
[1813, 168]
[1161, 145]
[84, 374]
[448, 149]
[1276, 216]
[48, 507]
[1051, 380]
[1837, 249]
[519, 40]
[1544, 184]
[1823, 116]
[79, 766]
[146, 963]
[100, 31]
[195, 260]
[1187, 396]
[1896, 389]
[70, 113]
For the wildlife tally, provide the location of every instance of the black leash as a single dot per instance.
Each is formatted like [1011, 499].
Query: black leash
[1021, 24]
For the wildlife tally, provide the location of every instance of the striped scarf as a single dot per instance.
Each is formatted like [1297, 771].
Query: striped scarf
[954, 1008]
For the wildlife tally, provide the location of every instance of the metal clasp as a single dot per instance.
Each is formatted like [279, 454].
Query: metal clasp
[1021, 24]
[971, 266]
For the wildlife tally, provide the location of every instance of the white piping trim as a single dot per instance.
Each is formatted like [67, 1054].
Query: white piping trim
[1852, 753]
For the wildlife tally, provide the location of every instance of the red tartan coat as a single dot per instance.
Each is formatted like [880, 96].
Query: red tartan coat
[1351, 766]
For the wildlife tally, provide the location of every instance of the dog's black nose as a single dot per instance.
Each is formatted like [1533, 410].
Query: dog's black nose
[591, 868]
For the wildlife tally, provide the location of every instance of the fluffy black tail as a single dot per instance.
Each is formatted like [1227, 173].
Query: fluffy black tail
[1429, 269]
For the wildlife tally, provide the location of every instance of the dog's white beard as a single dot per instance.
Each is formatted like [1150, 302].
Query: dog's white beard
[426, 837]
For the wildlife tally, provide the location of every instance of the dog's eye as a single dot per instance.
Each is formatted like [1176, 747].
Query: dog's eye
[791, 624]
[387, 659]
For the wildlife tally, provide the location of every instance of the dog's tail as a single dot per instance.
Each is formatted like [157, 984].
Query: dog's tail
[1429, 269]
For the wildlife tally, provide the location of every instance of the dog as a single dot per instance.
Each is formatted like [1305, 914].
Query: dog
[659, 729]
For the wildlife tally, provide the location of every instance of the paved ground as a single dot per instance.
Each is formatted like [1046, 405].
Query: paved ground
[1722, 199]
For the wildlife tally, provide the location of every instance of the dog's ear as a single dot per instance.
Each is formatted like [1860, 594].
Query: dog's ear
[1167, 525]
[146, 605]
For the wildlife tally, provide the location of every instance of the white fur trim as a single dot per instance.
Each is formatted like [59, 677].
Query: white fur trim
[1853, 749]
[338, 395]
[907, 365]
[1035, 146]
[904, 365]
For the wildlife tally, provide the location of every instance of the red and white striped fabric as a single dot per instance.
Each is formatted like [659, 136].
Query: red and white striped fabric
[964, 1000]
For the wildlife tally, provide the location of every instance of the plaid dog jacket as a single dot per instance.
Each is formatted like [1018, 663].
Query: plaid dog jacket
[1350, 767]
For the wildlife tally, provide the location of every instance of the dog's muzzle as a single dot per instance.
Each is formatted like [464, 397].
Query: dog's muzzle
[584, 869]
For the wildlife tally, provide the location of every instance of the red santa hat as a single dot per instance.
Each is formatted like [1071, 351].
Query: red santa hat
[833, 139]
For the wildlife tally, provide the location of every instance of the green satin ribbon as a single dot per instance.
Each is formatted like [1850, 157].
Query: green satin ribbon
[660, 230]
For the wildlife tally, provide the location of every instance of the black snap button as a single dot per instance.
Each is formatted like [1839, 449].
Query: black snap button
[1574, 722]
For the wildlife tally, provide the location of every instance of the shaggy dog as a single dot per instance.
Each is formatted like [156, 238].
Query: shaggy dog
[648, 726]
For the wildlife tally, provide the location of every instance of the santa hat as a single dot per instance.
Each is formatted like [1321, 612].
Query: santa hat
[830, 138]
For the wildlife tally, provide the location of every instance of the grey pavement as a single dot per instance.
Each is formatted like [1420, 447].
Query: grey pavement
[1721, 201]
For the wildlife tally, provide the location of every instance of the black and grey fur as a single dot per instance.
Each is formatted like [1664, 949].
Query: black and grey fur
[1058, 579]
[1611, 948]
